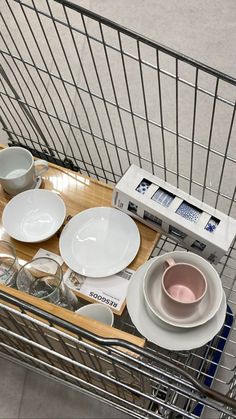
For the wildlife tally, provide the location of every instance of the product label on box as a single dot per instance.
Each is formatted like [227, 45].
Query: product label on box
[110, 290]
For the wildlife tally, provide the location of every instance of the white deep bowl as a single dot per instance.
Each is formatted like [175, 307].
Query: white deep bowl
[98, 312]
[34, 215]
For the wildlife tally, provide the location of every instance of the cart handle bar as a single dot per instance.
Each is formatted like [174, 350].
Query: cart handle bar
[52, 319]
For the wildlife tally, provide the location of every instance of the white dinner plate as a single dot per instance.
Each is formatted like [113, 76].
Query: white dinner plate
[99, 242]
[34, 215]
[208, 306]
[164, 335]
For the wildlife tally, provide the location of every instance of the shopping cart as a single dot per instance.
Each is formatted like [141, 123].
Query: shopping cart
[87, 94]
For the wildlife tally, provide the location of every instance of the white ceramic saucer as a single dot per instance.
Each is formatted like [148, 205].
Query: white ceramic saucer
[99, 242]
[207, 307]
[164, 335]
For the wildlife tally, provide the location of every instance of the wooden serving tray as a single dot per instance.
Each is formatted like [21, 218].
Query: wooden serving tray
[90, 325]
[79, 193]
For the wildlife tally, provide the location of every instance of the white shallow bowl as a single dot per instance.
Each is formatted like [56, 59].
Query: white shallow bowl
[34, 215]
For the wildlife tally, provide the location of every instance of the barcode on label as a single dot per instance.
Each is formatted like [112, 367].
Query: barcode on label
[125, 274]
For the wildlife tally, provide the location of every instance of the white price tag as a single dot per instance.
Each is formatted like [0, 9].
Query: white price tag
[102, 297]
[110, 290]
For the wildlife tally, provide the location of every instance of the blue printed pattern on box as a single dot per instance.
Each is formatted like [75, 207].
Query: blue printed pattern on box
[163, 197]
[143, 186]
[189, 212]
[212, 224]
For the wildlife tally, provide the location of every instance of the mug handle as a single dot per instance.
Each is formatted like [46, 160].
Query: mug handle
[43, 163]
[169, 262]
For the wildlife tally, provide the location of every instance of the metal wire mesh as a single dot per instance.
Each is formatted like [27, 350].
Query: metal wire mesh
[132, 379]
[85, 93]
[78, 86]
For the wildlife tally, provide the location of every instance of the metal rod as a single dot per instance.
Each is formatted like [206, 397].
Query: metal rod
[25, 110]
[207, 392]
[147, 41]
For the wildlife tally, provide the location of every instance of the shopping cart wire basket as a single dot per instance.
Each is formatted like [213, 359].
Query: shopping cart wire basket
[85, 93]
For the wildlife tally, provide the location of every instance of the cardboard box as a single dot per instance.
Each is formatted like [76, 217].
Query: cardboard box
[163, 207]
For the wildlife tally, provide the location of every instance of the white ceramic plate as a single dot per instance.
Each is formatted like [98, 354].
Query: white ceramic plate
[207, 307]
[34, 215]
[99, 242]
[164, 335]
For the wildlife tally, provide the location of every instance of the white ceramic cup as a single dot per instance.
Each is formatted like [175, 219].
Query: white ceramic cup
[97, 311]
[18, 170]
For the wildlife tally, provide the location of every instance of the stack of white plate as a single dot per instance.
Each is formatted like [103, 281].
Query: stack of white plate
[157, 325]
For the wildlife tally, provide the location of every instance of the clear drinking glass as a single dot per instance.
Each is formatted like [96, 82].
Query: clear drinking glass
[8, 264]
[43, 278]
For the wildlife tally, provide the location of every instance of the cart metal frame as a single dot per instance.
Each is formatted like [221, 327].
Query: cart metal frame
[85, 93]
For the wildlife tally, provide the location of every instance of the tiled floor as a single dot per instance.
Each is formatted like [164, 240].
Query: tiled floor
[26, 395]
[203, 30]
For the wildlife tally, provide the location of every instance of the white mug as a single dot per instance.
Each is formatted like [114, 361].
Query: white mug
[97, 311]
[18, 170]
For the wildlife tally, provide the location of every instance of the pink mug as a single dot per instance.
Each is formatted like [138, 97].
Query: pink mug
[183, 288]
